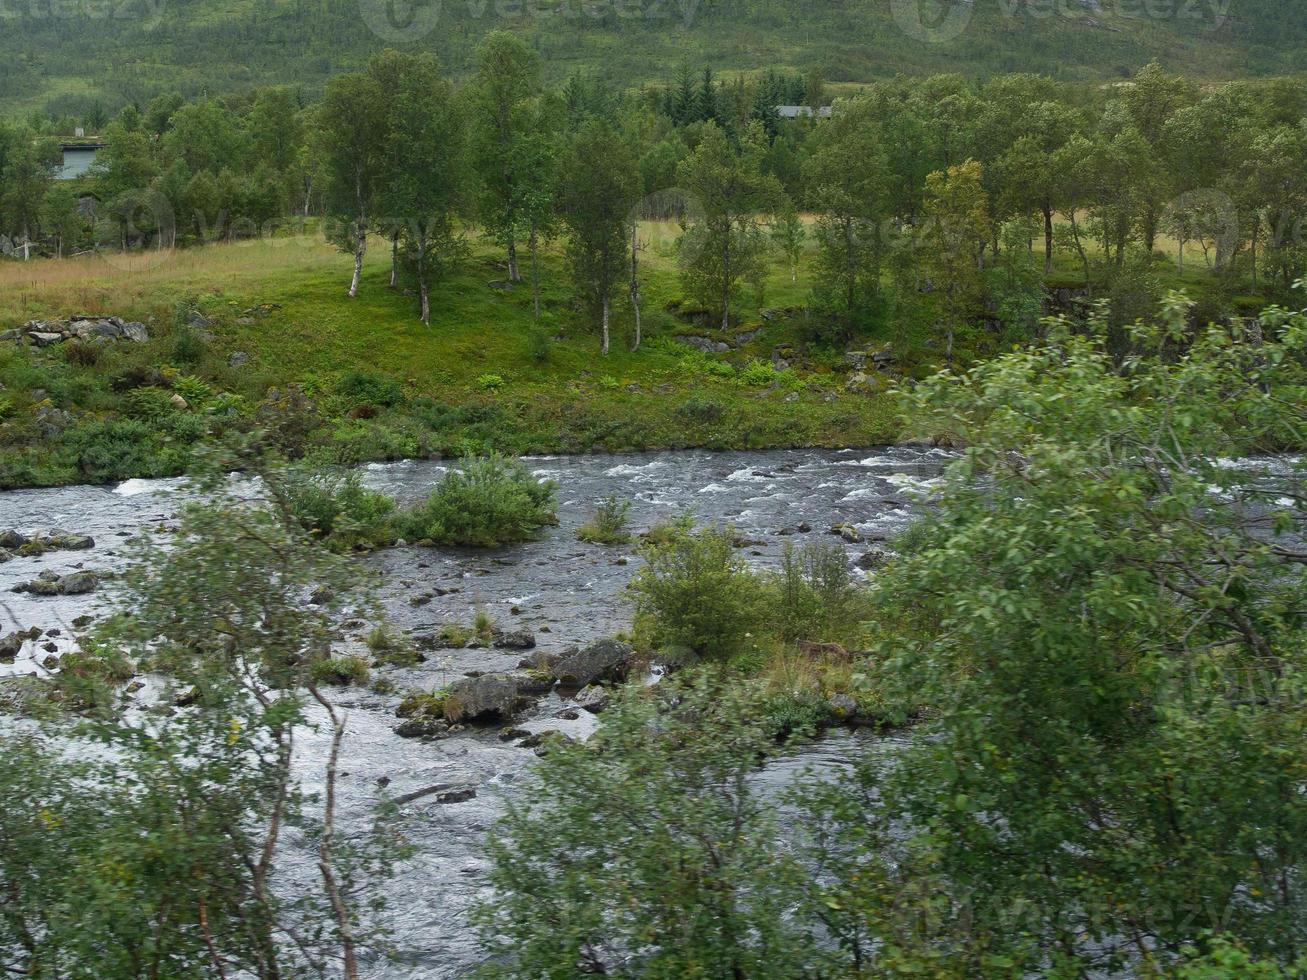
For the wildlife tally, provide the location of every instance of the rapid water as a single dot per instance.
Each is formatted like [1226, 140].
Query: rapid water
[564, 591]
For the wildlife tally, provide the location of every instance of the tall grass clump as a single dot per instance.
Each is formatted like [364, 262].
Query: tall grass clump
[487, 502]
[608, 526]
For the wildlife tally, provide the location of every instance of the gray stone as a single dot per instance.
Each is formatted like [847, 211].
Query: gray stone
[516, 640]
[606, 660]
[422, 728]
[45, 339]
[78, 583]
[10, 646]
[484, 698]
[238, 359]
[705, 344]
[873, 559]
[848, 532]
[135, 332]
[842, 706]
[593, 699]
[52, 421]
[52, 584]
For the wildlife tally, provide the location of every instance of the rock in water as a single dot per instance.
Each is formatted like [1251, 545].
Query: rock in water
[52, 584]
[517, 640]
[606, 660]
[593, 699]
[486, 698]
[10, 646]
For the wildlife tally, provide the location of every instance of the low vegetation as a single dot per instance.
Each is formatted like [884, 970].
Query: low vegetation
[608, 526]
[485, 503]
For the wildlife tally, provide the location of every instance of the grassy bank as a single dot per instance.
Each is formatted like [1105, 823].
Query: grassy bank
[280, 347]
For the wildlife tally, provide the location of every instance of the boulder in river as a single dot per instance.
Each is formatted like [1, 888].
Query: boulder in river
[515, 640]
[53, 584]
[593, 699]
[422, 728]
[10, 646]
[490, 697]
[873, 559]
[606, 660]
[848, 532]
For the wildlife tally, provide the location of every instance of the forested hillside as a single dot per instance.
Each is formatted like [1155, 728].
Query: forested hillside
[66, 58]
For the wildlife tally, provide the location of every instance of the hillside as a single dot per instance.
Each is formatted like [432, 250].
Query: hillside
[268, 316]
[70, 57]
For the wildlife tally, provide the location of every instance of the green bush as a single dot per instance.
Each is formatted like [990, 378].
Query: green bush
[695, 591]
[365, 388]
[196, 391]
[188, 347]
[701, 410]
[150, 404]
[340, 671]
[360, 441]
[759, 374]
[115, 450]
[490, 382]
[608, 526]
[816, 598]
[490, 501]
[334, 506]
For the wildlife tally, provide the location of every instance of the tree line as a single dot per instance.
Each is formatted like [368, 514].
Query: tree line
[924, 199]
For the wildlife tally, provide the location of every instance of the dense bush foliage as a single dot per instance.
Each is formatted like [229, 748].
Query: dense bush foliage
[669, 840]
[484, 503]
[333, 506]
[695, 592]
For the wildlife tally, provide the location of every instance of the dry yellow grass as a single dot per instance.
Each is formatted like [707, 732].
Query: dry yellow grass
[111, 282]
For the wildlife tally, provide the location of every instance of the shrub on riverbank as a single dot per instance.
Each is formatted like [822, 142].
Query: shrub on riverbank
[485, 503]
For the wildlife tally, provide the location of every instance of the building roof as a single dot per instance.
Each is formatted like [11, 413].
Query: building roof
[799, 111]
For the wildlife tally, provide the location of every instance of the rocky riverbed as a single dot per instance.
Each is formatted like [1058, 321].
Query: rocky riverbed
[556, 592]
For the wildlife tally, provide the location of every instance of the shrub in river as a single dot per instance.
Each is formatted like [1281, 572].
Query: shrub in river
[333, 505]
[340, 671]
[608, 526]
[487, 502]
[695, 591]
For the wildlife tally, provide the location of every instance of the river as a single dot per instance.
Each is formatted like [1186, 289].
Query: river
[564, 591]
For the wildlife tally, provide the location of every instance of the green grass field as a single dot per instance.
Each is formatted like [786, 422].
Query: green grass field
[481, 376]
